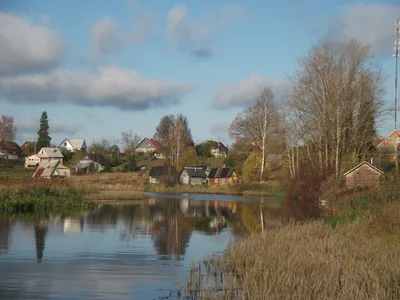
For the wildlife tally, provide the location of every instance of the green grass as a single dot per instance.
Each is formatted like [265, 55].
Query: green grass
[14, 169]
[43, 197]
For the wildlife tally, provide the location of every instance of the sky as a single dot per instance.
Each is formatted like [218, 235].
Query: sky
[104, 67]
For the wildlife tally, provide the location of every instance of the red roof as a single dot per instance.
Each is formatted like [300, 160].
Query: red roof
[155, 143]
[7, 145]
[38, 173]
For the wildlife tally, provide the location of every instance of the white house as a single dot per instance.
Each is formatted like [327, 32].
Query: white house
[73, 144]
[32, 161]
[49, 154]
[147, 145]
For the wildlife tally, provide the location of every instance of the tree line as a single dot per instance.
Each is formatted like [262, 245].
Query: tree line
[327, 117]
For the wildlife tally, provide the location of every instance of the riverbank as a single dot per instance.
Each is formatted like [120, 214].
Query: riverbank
[352, 254]
[43, 196]
[110, 196]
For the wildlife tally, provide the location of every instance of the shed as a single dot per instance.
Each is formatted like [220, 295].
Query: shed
[221, 176]
[163, 174]
[362, 175]
[51, 169]
[193, 175]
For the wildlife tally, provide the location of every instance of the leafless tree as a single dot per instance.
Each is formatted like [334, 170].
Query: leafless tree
[8, 130]
[130, 140]
[259, 124]
[336, 96]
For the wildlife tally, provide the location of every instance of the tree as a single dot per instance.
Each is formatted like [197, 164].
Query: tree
[252, 166]
[336, 95]
[8, 130]
[101, 146]
[258, 124]
[188, 157]
[174, 134]
[43, 134]
[130, 140]
[204, 149]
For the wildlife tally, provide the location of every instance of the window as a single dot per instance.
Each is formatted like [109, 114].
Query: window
[216, 180]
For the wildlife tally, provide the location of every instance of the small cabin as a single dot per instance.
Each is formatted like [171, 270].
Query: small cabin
[222, 176]
[163, 174]
[363, 174]
[193, 175]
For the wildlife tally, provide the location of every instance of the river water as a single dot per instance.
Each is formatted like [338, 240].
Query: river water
[138, 251]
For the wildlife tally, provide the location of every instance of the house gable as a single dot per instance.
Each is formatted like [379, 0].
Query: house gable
[148, 144]
[391, 140]
[363, 165]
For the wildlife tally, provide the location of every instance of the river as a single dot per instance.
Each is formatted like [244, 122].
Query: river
[138, 251]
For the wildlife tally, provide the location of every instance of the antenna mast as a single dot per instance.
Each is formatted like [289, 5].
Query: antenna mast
[396, 57]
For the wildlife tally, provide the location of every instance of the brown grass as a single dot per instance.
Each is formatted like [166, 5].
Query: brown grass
[310, 261]
[110, 195]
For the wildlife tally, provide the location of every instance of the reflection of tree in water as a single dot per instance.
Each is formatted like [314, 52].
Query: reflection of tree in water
[40, 237]
[103, 217]
[173, 232]
[5, 227]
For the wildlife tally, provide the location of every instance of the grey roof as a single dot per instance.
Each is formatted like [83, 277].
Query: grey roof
[221, 172]
[161, 171]
[50, 153]
[195, 172]
[75, 143]
[215, 144]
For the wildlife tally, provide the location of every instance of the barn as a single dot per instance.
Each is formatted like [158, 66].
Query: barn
[221, 176]
[363, 174]
[193, 175]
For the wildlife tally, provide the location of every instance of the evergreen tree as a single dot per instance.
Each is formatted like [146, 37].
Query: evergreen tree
[43, 134]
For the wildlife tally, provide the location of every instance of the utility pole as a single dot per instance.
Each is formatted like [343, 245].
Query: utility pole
[396, 58]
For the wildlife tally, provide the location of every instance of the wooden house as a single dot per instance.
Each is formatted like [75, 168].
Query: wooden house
[91, 160]
[51, 169]
[149, 145]
[363, 174]
[217, 149]
[9, 150]
[73, 145]
[163, 174]
[49, 154]
[193, 175]
[32, 161]
[221, 176]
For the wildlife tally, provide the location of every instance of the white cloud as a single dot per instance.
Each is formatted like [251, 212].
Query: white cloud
[107, 36]
[195, 36]
[244, 93]
[26, 45]
[370, 24]
[111, 86]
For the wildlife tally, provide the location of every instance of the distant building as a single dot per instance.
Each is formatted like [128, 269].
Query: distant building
[9, 150]
[163, 174]
[97, 161]
[218, 149]
[363, 174]
[193, 175]
[28, 148]
[51, 169]
[32, 161]
[222, 176]
[73, 145]
[148, 145]
[49, 154]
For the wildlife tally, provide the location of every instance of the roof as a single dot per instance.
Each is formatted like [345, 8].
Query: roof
[75, 143]
[9, 146]
[46, 169]
[50, 152]
[361, 164]
[195, 172]
[155, 143]
[27, 144]
[221, 172]
[222, 147]
[160, 171]
[95, 157]
[385, 139]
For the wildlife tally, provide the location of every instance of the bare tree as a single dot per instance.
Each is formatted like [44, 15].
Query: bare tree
[258, 124]
[174, 134]
[8, 130]
[130, 140]
[337, 91]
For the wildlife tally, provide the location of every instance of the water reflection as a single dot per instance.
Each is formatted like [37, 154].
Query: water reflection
[136, 251]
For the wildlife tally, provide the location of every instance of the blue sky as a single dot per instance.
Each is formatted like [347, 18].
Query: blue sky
[103, 67]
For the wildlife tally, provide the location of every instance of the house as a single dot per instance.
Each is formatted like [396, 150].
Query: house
[362, 175]
[32, 161]
[98, 161]
[193, 175]
[49, 154]
[388, 144]
[221, 176]
[28, 147]
[51, 169]
[73, 145]
[163, 174]
[9, 150]
[217, 149]
[149, 145]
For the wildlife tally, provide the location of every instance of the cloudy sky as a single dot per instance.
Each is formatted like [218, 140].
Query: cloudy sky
[102, 67]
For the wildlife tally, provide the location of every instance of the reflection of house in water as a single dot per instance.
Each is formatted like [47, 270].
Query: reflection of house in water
[73, 224]
[40, 238]
[5, 228]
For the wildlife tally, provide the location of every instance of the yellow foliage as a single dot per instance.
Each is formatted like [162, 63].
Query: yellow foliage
[187, 158]
[252, 167]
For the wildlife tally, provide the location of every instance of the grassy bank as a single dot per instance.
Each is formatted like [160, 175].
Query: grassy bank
[352, 254]
[42, 196]
[111, 196]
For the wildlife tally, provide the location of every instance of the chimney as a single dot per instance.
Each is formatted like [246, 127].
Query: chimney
[372, 160]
